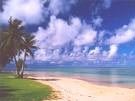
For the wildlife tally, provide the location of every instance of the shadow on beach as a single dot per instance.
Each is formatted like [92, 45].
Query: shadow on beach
[44, 79]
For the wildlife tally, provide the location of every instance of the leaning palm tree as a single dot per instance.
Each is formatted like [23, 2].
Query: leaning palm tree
[17, 42]
[14, 40]
[28, 48]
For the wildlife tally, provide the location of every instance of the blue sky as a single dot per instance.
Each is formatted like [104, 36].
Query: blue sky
[77, 31]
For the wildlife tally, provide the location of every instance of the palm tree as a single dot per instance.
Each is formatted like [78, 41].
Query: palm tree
[4, 51]
[17, 42]
[3, 57]
[19, 65]
[14, 40]
[28, 48]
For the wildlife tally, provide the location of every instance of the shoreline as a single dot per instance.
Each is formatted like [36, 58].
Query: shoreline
[71, 89]
[91, 80]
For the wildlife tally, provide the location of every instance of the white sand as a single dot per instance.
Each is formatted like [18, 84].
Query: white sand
[79, 90]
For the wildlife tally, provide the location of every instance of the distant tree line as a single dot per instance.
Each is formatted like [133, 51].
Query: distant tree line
[16, 45]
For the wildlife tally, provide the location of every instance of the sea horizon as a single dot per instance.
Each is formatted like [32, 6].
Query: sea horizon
[108, 76]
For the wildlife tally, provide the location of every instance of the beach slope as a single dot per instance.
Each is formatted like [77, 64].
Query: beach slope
[70, 89]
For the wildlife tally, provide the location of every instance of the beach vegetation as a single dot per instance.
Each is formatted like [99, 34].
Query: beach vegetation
[16, 45]
[15, 89]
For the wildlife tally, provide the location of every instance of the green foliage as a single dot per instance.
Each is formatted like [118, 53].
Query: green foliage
[15, 41]
[4, 57]
[14, 89]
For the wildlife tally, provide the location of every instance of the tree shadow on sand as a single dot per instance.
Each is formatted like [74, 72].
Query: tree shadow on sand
[50, 79]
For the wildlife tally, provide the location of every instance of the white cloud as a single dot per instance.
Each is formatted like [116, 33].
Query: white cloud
[113, 51]
[60, 32]
[63, 33]
[98, 53]
[29, 11]
[97, 21]
[56, 35]
[33, 12]
[85, 49]
[101, 36]
[95, 51]
[60, 6]
[124, 34]
[41, 55]
[87, 37]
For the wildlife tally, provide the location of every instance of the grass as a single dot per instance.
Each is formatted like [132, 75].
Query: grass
[13, 89]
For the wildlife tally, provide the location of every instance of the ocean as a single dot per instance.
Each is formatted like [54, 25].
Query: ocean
[110, 76]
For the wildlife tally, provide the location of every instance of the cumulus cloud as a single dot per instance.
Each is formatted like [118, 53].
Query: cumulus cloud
[33, 12]
[56, 35]
[95, 54]
[41, 55]
[59, 33]
[113, 51]
[87, 37]
[28, 11]
[98, 53]
[60, 6]
[97, 21]
[71, 40]
[124, 34]
[95, 51]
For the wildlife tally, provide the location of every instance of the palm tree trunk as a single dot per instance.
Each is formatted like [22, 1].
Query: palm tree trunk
[23, 65]
[22, 71]
[17, 72]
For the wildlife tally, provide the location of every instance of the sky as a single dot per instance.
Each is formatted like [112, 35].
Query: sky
[88, 32]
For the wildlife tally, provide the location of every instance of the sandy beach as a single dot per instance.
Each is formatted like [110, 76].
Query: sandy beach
[69, 89]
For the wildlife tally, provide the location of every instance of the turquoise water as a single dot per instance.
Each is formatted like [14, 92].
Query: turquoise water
[124, 77]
